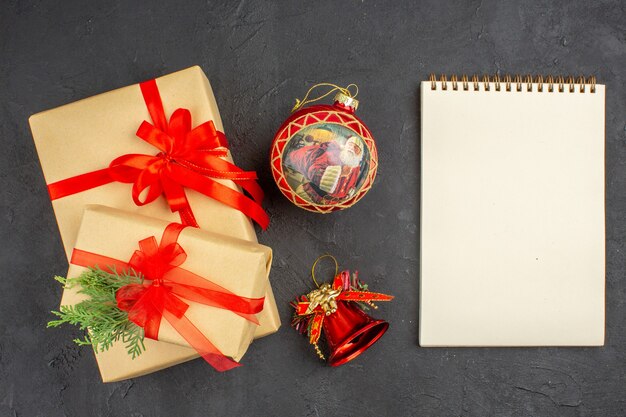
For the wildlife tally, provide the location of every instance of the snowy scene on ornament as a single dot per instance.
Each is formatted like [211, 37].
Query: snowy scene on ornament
[326, 163]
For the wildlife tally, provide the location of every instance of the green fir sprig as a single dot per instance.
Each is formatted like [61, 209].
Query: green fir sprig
[99, 315]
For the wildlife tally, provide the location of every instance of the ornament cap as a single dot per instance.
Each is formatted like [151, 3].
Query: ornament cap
[347, 101]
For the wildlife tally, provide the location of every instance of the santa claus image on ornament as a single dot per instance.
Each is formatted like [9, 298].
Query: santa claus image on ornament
[328, 164]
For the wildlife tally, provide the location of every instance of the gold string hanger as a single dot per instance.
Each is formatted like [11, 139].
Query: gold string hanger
[327, 255]
[333, 87]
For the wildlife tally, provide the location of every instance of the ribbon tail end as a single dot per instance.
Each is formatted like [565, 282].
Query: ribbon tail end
[220, 363]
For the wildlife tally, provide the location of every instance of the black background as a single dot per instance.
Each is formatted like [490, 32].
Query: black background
[259, 57]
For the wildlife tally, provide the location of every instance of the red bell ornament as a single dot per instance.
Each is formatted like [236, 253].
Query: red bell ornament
[336, 312]
[350, 332]
[323, 157]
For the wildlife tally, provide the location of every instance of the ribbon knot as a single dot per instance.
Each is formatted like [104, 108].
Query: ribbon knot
[165, 290]
[167, 158]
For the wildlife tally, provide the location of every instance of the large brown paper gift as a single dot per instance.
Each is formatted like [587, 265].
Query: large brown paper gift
[87, 135]
[237, 265]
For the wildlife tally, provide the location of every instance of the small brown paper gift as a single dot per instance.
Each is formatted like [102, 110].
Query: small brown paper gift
[87, 135]
[238, 266]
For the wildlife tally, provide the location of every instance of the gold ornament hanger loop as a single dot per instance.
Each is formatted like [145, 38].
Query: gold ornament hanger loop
[315, 264]
[344, 90]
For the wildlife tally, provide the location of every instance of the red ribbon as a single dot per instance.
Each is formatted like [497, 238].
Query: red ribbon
[188, 158]
[341, 282]
[161, 296]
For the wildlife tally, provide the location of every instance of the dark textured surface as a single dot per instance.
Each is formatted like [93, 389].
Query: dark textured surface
[259, 56]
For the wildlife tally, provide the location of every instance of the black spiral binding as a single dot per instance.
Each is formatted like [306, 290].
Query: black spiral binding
[516, 83]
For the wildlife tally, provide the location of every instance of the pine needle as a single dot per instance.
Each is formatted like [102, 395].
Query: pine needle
[99, 315]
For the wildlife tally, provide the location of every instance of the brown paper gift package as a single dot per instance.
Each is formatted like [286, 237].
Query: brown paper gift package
[86, 135]
[238, 265]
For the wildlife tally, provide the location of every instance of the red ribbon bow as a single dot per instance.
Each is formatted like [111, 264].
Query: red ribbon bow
[162, 296]
[341, 283]
[187, 158]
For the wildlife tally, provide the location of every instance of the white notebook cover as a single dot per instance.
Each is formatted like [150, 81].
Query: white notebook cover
[512, 216]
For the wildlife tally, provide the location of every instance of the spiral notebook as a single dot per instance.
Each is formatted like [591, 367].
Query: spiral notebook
[512, 212]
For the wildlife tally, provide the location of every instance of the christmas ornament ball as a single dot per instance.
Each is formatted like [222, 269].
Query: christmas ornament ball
[323, 157]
